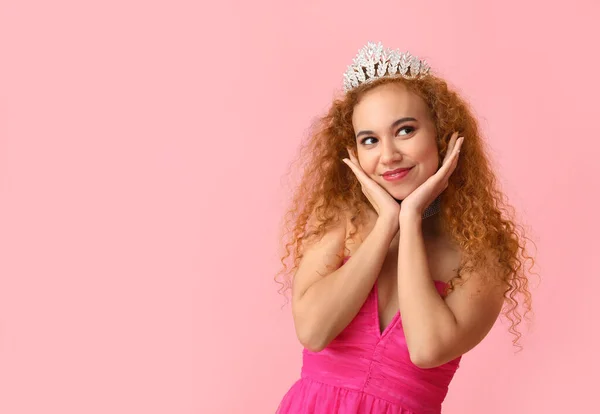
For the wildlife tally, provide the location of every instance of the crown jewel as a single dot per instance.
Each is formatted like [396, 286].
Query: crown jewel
[373, 62]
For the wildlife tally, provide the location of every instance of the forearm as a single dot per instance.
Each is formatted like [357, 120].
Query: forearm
[426, 318]
[330, 304]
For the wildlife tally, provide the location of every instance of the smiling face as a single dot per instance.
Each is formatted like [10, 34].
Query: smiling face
[394, 130]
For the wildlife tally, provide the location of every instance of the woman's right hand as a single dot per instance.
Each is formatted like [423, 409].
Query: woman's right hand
[384, 204]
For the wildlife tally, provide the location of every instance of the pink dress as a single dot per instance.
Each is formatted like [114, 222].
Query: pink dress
[365, 371]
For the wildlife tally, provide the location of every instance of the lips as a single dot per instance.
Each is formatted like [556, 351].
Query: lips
[396, 171]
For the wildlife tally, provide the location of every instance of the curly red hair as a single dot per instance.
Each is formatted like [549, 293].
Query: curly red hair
[475, 212]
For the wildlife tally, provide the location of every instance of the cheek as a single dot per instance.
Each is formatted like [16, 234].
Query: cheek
[435, 159]
[428, 155]
[369, 167]
[368, 164]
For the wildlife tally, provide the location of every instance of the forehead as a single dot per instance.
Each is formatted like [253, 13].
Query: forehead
[384, 104]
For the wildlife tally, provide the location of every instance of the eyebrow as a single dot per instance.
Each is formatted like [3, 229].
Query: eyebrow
[396, 123]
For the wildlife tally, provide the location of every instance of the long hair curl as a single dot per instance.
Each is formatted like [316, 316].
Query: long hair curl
[475, 213]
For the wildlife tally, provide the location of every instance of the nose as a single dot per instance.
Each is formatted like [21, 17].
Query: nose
[389, 153]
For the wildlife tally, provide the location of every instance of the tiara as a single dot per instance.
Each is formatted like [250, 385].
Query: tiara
[379, 62]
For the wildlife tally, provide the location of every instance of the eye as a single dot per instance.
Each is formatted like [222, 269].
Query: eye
[407, 128]
[404, 128]
[363, 141]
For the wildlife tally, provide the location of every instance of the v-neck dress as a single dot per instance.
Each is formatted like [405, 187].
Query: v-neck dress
[366, 371]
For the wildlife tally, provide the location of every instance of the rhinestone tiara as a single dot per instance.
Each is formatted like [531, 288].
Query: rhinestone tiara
[379, 62]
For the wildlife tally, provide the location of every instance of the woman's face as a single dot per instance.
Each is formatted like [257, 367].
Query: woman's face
[393, 130]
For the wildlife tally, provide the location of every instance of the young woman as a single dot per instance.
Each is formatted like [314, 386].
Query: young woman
[403, 253]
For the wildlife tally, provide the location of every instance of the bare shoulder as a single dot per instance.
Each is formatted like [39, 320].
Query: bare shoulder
[321, 253]
[358, 229]
[443, 257]
[486, 279]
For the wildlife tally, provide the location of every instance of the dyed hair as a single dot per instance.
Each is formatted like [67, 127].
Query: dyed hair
[474, 212]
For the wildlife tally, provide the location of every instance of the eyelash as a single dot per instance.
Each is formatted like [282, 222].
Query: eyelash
[362, 141]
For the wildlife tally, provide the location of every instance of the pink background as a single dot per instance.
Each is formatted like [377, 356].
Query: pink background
[142, 146]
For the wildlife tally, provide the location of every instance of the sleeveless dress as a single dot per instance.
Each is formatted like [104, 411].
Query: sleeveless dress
[365, 371]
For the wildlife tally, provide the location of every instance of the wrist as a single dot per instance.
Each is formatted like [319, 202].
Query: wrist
[410, 218]
[387, 225]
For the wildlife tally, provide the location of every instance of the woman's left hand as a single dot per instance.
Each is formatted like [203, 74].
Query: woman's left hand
[417, 201]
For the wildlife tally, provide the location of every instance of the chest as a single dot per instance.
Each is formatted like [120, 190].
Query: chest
[442, 266]
[443, 260]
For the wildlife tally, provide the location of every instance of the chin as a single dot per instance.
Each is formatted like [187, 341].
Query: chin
[399, 195]
[401, 191]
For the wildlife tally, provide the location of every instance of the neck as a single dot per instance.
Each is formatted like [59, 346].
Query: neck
[432, 226]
